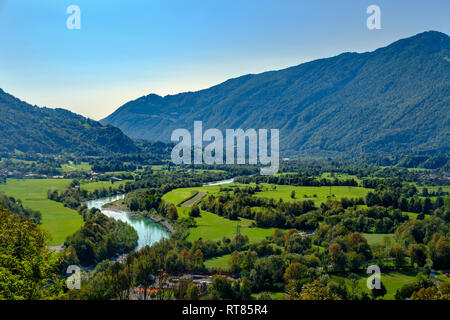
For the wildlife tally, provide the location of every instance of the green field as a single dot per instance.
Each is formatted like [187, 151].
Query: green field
[434, 188]
[209, 225]
[57, 220]
[276, 191]
[340, 176]
[273, 295]
[91, 186]
[83, 166]
[307, 193]
[17, 160]
[177, 196]
[378, 238]
[391, 280]
[218, 262]
[195, 199]
[213, 227]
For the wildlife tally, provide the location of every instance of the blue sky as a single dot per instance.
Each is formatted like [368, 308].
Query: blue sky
[126, 49]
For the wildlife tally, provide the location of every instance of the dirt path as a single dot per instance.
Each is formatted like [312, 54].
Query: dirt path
[193, 200]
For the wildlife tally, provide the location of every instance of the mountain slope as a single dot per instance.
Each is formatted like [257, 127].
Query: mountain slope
[32, 129]
[396, 98]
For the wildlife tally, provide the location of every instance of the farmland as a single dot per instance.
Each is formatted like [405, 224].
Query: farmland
[57, 220]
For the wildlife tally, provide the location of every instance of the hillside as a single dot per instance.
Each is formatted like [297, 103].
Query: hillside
[395, 99]
[28, 128]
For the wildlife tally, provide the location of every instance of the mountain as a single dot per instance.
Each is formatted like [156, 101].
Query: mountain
[394, 99]
[28, 128]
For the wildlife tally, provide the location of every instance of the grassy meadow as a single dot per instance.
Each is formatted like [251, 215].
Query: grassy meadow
[317, 194]
[219, 262]
[83, 166]
[391, 280]
[91, 186]
[378, 238]
[211, 226]
[57, 220]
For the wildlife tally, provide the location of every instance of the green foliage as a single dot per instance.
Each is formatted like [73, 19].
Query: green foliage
[28, 270]
[57, 220]
[49, 131]
[192, 293]
[101, 238]
[378, 293]
[194, 212]
[16, 207]
[172, 213]
[223, 288]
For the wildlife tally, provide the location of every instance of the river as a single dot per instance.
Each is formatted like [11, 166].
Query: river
[148, 231]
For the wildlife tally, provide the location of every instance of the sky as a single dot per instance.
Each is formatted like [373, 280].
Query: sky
[127, 49]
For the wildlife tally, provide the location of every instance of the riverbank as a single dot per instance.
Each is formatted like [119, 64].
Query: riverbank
[119, 206]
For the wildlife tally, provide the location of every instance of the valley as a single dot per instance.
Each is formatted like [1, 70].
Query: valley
[363, 184]
[242, 221]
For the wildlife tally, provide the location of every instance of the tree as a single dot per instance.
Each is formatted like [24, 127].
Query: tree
[28, 269]
[377, 293]
[235, 262]
[248, 262]
[406, 290]
[195, 211]
[337, 256]
[143, 271]
[197, 260]
[418, 254]
[221, 288]
[399, 256]
[172, 213]
[296, 275]
[242, 290]
[316, 291]
[192, 293]
[293, 194]
[441, 252]
[295, 272]
[403, 204]
[427, 206]
[185, 259]
[268, 273]
[432, 293]
[354, 260]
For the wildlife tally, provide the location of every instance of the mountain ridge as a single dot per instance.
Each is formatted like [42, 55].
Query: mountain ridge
[29, 128]
[353, 102]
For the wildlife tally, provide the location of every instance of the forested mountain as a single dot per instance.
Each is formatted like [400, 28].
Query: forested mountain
[395, 99]
[28, 128]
